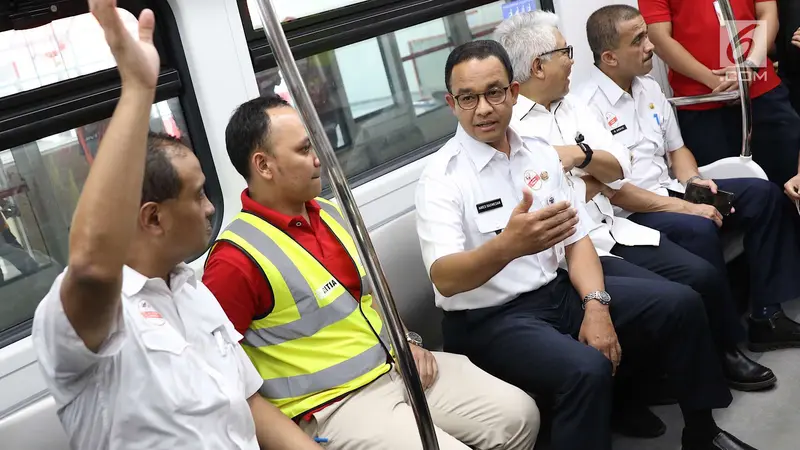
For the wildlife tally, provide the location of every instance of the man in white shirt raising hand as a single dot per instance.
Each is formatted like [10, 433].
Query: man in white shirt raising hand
[138, 353]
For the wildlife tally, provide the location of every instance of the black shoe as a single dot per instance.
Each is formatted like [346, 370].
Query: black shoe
[637, 421]
[744, 374]
[722, 441]
[774, 333]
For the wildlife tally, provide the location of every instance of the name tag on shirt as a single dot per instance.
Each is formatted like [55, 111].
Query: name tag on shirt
[619, 130]
[490, 205]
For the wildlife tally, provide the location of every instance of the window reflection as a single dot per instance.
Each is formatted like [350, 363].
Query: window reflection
[63, 49]
[293, 9]
[40, 183]
[382, 99]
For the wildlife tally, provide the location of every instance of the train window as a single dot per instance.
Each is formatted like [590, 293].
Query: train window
[381, 100]
[63, 49]
[39, 187]
[51, 123]
[292, 9]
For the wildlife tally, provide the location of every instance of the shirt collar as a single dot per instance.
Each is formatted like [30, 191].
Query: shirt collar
[610, 89]
[526, 108]
[275, 218]
[481, 153]
[134, 282]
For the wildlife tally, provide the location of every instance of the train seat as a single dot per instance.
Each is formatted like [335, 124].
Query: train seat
[397, 246]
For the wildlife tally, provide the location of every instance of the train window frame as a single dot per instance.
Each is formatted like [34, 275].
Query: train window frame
[38, 113]
[340, 27]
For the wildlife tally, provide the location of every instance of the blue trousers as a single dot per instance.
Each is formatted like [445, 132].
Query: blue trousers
[532, 342]
[717, 133]
[771, 246]
[670, 261]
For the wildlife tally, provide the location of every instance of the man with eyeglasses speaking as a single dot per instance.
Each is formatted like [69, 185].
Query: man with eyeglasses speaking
[495, 218]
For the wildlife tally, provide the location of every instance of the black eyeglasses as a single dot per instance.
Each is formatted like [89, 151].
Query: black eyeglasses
[494, 96]
[566, 50]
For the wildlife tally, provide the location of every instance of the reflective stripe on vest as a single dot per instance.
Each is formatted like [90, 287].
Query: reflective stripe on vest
[312, 317]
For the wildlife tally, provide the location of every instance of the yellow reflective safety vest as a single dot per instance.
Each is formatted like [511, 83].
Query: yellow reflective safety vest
[318, 343]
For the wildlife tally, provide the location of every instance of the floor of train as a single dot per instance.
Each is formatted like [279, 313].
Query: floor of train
[766, 420]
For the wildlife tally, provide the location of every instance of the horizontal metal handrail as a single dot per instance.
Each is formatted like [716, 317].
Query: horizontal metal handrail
[707, 98]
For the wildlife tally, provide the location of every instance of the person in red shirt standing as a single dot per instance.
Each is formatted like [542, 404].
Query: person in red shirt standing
[287, 273]
[687, 36]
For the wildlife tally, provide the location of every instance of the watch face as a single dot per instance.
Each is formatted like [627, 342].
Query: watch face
[414, 337]
[604, 297]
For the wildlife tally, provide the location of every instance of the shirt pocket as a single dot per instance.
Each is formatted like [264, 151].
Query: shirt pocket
[490, 223]
[179, 377]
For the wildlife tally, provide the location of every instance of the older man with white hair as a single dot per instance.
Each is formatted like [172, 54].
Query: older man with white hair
[542, 63]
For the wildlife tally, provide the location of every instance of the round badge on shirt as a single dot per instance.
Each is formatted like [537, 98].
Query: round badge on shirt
[150, 314]
[533, 180]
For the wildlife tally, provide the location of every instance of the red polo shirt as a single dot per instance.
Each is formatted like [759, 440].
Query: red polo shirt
[695, 25]
[239, 284]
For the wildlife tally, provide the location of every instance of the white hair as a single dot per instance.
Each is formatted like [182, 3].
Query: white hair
[526, 36]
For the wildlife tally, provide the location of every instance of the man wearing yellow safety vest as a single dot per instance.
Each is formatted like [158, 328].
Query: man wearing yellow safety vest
[287, 273]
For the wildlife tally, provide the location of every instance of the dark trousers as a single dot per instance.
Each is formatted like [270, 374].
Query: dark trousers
[771, 246]
[532, 343]
[717, 133]
[670, 261]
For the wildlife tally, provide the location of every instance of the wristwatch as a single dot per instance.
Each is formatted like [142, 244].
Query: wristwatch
[588, 152]
[600, 296]
[414, 338]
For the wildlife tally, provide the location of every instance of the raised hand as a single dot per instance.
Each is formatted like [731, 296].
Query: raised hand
[532, 232]
[138, 62]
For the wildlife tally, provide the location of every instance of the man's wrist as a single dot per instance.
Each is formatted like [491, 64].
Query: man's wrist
[692, 179]
[594, 307]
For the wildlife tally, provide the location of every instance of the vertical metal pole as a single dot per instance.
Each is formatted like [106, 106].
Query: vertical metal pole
[283, 55]
[744, 88]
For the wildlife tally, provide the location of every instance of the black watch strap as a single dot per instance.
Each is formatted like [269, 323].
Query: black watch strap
[587, 151]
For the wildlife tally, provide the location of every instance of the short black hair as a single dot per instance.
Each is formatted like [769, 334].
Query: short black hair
[161, 180]
[602, 27]
[248, 129]
[479, 50]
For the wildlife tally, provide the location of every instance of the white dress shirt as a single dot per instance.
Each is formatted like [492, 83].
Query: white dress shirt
[643, 122]
[569, 118]
[171, 374]
[465, 197]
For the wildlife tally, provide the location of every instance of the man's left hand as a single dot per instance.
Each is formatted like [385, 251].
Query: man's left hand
[729, 77]
[792, 188]
[707, 183]
[426, 366]
[570, 156]
[796, 38]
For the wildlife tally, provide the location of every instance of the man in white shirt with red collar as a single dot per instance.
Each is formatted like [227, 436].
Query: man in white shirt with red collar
[136, 352]
[542, 63]
[647, 126]
[494, 222]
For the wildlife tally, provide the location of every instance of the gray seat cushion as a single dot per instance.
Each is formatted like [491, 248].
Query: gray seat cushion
[400, 256]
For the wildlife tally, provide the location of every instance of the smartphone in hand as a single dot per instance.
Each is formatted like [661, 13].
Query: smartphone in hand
[722, 200]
